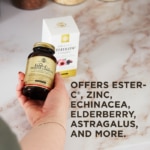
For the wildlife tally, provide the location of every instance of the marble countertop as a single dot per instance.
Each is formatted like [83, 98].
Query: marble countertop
[114, 47]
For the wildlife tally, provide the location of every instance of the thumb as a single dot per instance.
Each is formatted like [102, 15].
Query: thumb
[58, 96]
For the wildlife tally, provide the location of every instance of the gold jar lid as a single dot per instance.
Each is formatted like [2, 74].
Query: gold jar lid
[44, 44]
[68, 2]
[109, 0]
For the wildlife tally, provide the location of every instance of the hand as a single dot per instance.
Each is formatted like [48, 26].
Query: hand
[54, 108]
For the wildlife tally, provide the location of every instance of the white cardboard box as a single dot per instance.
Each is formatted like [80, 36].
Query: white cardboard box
[63, 33]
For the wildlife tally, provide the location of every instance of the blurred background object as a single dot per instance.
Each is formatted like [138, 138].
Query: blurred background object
[29, 4]
[109, 0]
[69, 2]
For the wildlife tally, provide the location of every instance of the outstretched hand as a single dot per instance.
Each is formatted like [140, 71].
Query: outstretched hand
[54, 108]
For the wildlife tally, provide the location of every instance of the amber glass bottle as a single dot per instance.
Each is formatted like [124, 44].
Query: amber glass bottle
[40, 71]
[29, 4]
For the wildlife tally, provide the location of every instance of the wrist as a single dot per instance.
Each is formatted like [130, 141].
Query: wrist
[51, 120]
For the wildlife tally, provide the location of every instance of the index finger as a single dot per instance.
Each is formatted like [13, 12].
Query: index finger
[19, 87]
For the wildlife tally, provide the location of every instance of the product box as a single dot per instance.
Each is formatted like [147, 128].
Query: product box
[63, 33]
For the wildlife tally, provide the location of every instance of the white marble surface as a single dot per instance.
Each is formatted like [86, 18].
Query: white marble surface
[114, 46]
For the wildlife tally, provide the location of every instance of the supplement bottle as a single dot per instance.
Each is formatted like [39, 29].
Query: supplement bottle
[40, 71]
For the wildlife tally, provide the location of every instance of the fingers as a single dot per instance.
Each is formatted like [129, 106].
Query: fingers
[19, 87]
[32, 108]
[20, 82]
[21, 75]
